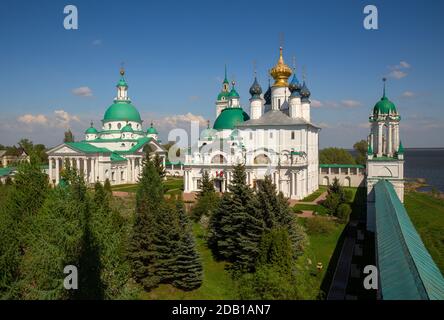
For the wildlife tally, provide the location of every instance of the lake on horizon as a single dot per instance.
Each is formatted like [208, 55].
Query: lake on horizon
[427, 164]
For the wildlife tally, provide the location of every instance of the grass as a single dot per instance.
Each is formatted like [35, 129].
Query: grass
[310, 207]
[217, 283]
[315, 195]
[427, 215]
[171, 184]
[320, 249]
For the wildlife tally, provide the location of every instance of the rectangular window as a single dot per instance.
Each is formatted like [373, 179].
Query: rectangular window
[251, 135]
[271, 134]
[292, 135]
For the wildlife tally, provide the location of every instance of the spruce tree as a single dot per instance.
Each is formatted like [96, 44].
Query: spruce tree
[247, 225]
[107, 186]
[206, 200]
[142, 249]
[220, 234]
[158, 164]
[188, 266]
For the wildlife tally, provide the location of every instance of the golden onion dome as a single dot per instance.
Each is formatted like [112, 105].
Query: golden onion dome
[280, 72]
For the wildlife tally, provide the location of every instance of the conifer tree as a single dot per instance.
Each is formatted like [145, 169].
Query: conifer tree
[142, 250]
[158, 164]
[22, 202]
[107, 186]
[207, 200]
[188, 266]
[220, 234]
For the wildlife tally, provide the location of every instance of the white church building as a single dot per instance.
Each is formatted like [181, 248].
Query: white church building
[276, 138]
[113, 152]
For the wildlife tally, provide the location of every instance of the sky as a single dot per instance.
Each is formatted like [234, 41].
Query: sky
[174, 53]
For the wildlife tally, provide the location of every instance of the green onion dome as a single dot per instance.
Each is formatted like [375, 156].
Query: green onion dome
[229, 118]
[384, 107]
[122, 83]
[122, 111]
[127, 128]
[91, 130]
[222, 95]
[151, 130]
[233, 93]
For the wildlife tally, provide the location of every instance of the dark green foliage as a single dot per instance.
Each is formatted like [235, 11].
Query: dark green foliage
[161, 248]
[343, 212]
[206, 201]
[158, 164]
[142, 250]
[107, 186]
[22, 201]
[331, 203]
[188, 266]
[335, 156]
[8, 181]
[275, 276]
[220, 234]
[361, 150]
[68, 136]
[348, 195]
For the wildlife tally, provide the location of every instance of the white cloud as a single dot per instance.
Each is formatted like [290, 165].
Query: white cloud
[404, 64]
[33, 119]
[174, 120]
[408, 94]
[82, 92]
[397, 74]
[63, 119]
[316, 103]
[350, 103]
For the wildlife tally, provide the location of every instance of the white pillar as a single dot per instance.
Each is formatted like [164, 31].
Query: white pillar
[57, 173]
[50, 169]
[78, 165]
[380, 139]
[390, 141]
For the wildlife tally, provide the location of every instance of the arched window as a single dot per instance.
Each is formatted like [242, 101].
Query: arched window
[119, 126]
[109, 126]
[218, 159]
[262, 159]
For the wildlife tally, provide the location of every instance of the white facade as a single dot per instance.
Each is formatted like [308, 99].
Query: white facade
[276, 139]
[115, 153]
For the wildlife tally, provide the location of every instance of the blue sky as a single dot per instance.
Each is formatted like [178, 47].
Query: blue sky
[174, 54]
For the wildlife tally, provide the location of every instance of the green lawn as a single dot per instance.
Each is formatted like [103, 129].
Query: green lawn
[217, 283]
[315, 195]
[427, 215]
[313, 207]
[320, 249]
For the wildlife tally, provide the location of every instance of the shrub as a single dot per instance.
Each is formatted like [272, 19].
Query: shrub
[344, 211]
[319, 225]
[331, 203]
[348, 194]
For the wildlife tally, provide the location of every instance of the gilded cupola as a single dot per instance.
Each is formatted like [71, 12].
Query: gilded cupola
[280, 72]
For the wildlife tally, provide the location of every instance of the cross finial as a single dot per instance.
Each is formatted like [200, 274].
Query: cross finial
[384, 81]
[122, 68]
[208, 124]
[294, 63]
[92, 124]
[281, 40]
[304, 73]
[254, 68]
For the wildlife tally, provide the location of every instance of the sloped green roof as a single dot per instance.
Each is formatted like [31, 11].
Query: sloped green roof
[127, 128]
[223, 94]
[91, 130]
[229, 118]
[122, 111]
[140, 143]
[116, 157]
[384, 106]
[406, 269]
[5, 171]
[86, 147]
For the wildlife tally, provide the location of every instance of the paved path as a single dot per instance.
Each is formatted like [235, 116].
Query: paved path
[121, 194]
[317, 201]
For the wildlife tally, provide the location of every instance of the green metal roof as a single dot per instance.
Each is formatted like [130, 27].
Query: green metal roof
[406, 269]
[140, 143]
[122, 111]
[233, 93]
[229, 118]
[384, 106]
[91, 130]
[151, 130]
[127, 128]
[122, 83]
[5, 171]
[334, 165]
[223, 94]
[86, 147]
[401, 148]
[116, 157]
